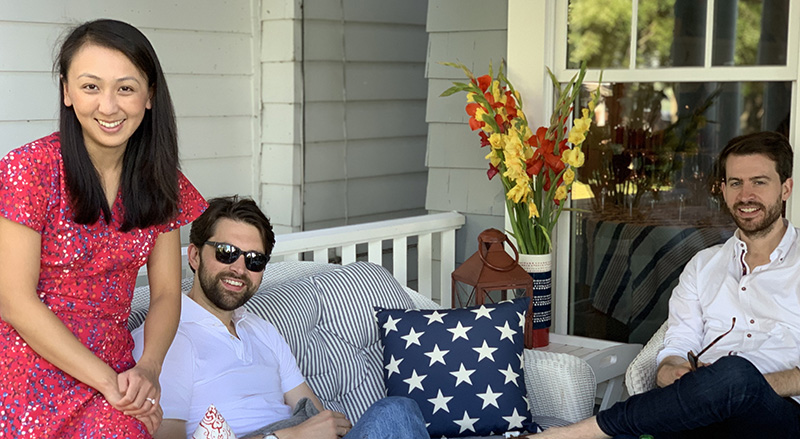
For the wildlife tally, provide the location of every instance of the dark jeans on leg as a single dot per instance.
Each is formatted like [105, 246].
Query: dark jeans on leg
[727, 399]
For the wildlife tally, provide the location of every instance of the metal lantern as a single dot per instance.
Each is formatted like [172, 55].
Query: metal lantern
[489, 274]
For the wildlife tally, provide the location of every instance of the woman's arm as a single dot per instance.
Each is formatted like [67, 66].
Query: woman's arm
[20, 306]
[164, 276]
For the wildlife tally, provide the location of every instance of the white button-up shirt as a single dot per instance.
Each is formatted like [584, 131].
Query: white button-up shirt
[245, 377]
[717, 285]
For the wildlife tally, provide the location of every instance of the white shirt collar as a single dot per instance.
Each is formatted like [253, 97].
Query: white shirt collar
[780, 251]
[191, 311]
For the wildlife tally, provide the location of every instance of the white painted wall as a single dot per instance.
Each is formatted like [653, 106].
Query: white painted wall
[205, 48]
[364, 126]
[461, 31]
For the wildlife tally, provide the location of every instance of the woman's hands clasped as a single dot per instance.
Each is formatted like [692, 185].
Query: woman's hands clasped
[137, 394]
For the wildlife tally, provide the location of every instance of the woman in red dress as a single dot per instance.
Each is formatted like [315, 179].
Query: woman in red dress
[81, 210]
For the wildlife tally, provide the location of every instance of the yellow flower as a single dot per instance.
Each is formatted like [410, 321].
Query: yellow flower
[514, 144]
[471, 97]
[569, 176]
[576, 137]
[573, 157]
[578, 132]
[496, 90]
[479, 112]
[518, 192]
[584, 122]
[493, 158]
[561, 192]
[533, 211]
[497, 141]
[514, 170]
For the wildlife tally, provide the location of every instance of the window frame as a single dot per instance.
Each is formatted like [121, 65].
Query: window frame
[537, 35]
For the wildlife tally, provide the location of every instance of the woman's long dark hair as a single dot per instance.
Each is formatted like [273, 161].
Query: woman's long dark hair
[149, 180]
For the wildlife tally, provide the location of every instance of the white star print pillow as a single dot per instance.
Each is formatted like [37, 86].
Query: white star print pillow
[462, 366]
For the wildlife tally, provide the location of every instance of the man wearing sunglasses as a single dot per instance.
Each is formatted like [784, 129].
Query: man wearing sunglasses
[229, 357]
[737, 306]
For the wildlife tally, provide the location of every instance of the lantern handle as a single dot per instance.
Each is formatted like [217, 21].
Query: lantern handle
[508, 267]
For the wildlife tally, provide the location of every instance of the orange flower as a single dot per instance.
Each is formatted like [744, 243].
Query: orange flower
[476, 111]
[483, 82]
[543, 153]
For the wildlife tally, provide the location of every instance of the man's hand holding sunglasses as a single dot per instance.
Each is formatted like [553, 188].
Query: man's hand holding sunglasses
[671, 369]
[674, 367]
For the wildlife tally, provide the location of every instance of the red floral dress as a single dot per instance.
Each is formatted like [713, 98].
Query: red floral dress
[86, 278]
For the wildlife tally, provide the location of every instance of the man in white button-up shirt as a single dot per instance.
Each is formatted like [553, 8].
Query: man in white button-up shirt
[740, 299]
[225, 355]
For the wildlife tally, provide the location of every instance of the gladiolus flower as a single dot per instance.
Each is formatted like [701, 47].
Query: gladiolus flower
[534, 166]
[484, 82]
[492, 171]
[518, 192]
[476, 111]
[561, 193]
[497, 140]
[578, 132]
[576, 137]
[493, 158]
[574, 157]
[568, 176]
[530, 161]
[484, 139]
[533, 211]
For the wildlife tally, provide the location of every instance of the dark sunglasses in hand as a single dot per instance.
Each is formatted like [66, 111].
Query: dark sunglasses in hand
[229, 253]
[695, 359]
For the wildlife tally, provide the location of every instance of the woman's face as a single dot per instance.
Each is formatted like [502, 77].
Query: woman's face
[109, 96]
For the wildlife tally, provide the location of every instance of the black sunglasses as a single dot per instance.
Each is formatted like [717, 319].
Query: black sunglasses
[229, 253]
[695, 359]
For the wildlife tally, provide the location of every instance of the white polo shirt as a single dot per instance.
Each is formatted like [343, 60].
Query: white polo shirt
[245, 377]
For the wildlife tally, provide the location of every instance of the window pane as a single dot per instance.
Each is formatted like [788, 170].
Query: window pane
[671, 33]
[750, 32]
[646, 196]
[599, 32]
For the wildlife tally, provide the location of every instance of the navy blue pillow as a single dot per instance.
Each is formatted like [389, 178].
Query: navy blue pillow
[462, 366]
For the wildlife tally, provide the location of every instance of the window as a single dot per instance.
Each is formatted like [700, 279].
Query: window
[681, 78]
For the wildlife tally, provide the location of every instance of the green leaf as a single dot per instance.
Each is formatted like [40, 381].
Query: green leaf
[459, 66]
[452, 90]
[457, 87]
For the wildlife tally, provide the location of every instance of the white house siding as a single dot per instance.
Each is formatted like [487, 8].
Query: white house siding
[281, 166]
[205, 47]
[472, 32]
[363, 124]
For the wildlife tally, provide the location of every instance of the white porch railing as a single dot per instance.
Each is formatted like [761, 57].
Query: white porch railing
[385, 243]
[435, 248]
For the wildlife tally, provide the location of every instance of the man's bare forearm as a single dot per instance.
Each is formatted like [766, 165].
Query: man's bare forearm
[785, 383]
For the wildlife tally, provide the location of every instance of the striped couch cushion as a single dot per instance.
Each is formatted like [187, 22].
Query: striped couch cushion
[329, 323]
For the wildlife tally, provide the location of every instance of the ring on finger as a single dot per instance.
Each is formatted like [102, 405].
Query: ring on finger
[152, 400]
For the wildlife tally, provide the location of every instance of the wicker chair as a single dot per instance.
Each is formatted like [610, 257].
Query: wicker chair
[641, 374]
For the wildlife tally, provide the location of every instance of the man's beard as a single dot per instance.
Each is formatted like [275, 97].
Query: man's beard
[757, 229]
[218, 295]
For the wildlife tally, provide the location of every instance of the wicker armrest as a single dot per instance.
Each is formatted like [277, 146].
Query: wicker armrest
[641, 374]
[559, 385]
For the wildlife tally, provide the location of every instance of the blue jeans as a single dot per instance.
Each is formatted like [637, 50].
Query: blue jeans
[729, 399]
[393, 417]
